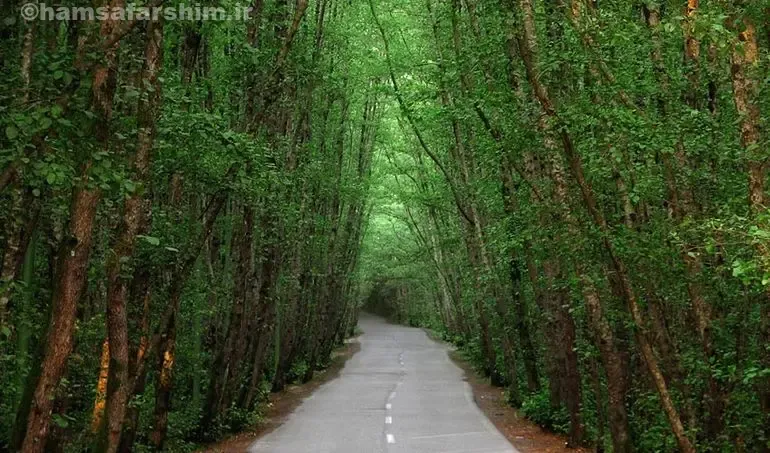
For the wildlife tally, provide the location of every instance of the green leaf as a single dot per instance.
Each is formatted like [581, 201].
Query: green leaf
[11, 132]
[60, 421]
[45, 123]
[150, 240]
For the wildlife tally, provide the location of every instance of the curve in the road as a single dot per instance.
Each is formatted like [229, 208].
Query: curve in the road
[399, 394]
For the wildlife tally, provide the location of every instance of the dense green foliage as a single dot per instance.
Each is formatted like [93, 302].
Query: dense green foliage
[573, 192]
[237, 259]
[579, 192]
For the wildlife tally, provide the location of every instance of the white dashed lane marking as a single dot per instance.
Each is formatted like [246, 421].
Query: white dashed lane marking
[388, 420]
[388, 406]
[391, 439]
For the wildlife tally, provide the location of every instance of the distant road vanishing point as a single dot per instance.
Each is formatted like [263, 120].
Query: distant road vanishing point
[399, 394]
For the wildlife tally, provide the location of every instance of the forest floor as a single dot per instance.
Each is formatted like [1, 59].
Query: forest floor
[524, 434]
[282, 404]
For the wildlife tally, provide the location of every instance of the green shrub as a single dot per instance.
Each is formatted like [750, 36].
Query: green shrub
[537, 407]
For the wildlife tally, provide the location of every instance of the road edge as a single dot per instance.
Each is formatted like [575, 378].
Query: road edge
[525, 435]
[282, 404]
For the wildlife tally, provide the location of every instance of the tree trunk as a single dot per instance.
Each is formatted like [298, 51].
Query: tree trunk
[97, 417]
[73, 256]
[73, 263]
[118, 389]
[528, 47]
[225, 363]
[745, 82]
[25, 210]
[682, 205]
[141, 291]
[520, 307]
[614, 365]
[167, 344]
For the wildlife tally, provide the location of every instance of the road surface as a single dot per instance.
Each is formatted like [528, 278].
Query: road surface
[399, 394]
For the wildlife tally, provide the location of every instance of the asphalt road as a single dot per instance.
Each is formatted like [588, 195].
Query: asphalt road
[400, 393]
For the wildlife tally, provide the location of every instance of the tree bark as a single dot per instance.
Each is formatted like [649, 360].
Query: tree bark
[520, 307]
[118, 389]
[224, 365]
[682, 204]
[745, 81]
[73, 263]
[73, 254]
[167, 337]
[528, 48]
